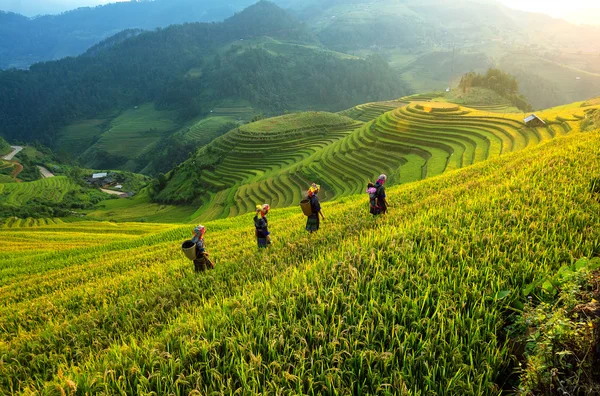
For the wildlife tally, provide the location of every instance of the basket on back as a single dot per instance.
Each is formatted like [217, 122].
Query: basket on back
[306, 208]
[189, 249]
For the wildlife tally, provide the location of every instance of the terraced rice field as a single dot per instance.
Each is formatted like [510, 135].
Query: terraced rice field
[405, 303]
[52, 189]
[15, 222]
[408, 141]
[6, 171]
[255, 161]
[370, 111]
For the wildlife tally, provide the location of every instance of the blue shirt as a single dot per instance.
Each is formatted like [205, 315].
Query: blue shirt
[199, 243]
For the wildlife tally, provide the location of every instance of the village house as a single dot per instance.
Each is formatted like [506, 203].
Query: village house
[534, 121]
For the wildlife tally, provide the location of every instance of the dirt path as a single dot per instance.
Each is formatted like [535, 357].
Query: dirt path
[111, 191]
[45, 172]
[16, 150]
[18, 169]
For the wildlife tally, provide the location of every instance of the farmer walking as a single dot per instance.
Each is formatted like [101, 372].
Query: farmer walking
[202, 262]
[313, 221]
[261, 224]
[380, 197]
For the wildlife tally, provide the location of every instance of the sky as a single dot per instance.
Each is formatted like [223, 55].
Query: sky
[37, 7]
[577, 11]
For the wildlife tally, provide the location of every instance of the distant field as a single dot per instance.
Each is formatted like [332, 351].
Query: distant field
[52, 189]
[557, 83]
[205, 129]
[139, 208]
[79, 136]
[435, 71]
[135, 131]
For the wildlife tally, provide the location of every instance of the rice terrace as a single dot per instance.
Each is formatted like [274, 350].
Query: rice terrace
[299, 198]
[412, 303]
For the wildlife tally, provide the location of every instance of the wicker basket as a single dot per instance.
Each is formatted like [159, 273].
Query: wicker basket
[189, 249]
[306, 208]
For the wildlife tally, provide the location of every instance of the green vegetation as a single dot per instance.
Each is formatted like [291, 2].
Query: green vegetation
[547, 83]
[559, 332]
[152, 70]
[503, 84]
[219, 177]
[139, 209]
[275, 160]
[53, 197]
[415, 301]
[4, 147]
[128, 137]
[80, 135]
[480, 99]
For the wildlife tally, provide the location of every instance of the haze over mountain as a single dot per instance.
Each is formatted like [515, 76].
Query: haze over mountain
[262, 59]
[24, 41]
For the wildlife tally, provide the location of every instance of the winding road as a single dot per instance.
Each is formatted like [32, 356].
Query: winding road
[16, 150]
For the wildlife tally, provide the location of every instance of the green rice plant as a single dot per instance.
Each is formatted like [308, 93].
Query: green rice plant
[415, 301]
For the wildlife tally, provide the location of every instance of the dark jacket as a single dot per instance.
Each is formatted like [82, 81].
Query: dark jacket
[315, 206]
[262, 226]
[381, 197]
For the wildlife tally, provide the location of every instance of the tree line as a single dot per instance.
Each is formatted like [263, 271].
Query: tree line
[498, 81]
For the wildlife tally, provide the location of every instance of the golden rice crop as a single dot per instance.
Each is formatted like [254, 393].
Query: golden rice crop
[406, 303]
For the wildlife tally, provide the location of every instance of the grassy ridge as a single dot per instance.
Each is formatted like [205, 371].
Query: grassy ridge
[365, 306]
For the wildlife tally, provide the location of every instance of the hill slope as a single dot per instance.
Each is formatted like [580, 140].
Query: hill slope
[409, 140]
[415, 300]
[25, 41]
[262, 57]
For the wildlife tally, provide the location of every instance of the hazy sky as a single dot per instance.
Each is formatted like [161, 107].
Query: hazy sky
[36, 7]
[575, 10]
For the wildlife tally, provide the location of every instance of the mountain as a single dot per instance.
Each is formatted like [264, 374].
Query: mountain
[114, 104]
[432, 43]
[25, 41]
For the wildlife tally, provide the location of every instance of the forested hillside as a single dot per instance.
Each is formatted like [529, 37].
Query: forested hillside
[186, 70]
[4, 147]
[24, 41]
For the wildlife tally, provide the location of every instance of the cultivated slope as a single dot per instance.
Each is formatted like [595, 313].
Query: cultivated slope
[407, 302]
[409, 139]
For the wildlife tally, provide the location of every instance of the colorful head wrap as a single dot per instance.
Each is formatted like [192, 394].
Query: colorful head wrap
[199, 230]
[264, 208]
[315, 188]
[382, 178]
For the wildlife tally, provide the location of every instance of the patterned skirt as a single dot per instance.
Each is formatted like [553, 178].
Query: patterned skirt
[262, 242]
[312, 224]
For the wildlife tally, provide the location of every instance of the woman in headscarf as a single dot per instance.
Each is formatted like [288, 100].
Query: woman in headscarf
[382, 202]
[313, 221]
[202, 262]
[261, 224]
